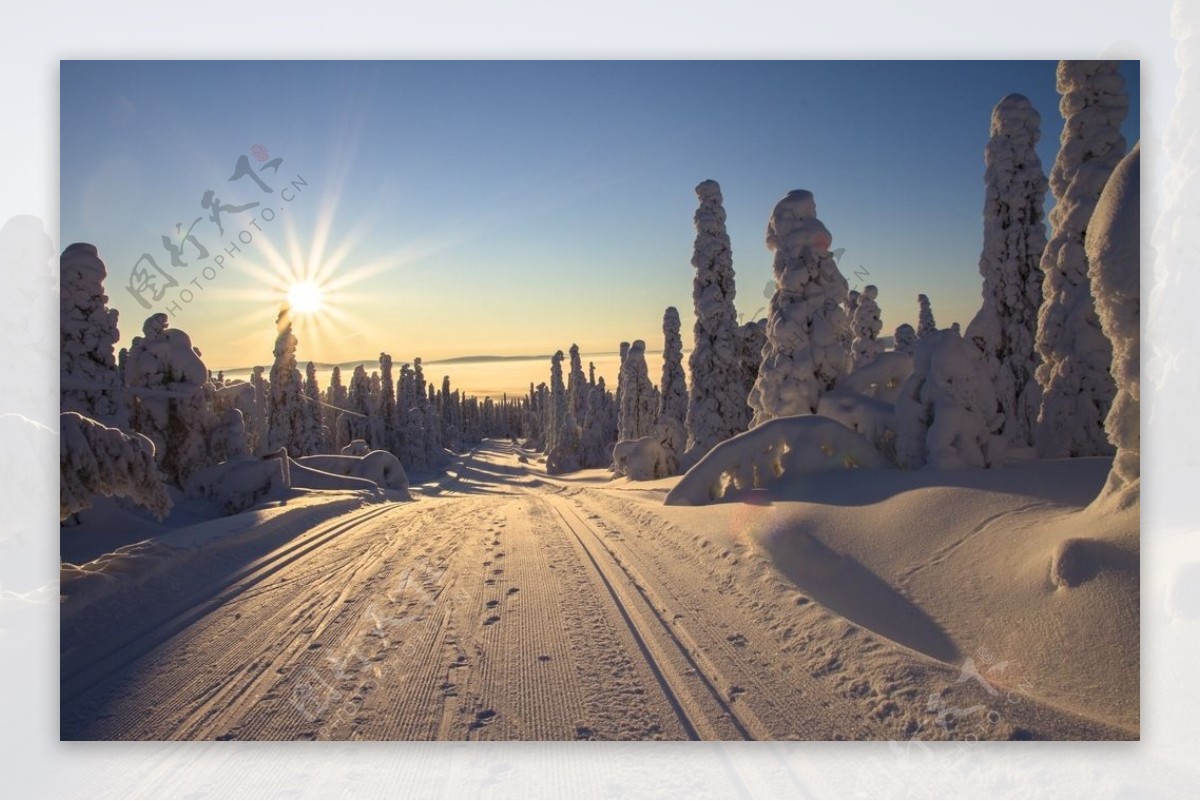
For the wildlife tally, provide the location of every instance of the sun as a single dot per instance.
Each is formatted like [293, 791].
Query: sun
[305, 297]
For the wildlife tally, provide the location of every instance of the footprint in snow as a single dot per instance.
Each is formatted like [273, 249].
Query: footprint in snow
[491, 619]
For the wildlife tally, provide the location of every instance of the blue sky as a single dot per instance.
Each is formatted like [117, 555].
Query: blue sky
[517, 207]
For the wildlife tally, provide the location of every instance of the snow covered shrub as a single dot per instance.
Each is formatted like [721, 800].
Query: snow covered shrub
[1014, 238]
[769, 455]
[1114, 267]
[288, 417]
[641, 459]
[566, 456]
[1077, 388]
[805, 352]
[716, 401]
[946, 415]
[905, 339]
[239, 483]
[926, 325]
[881, 379]
[379, 467]
[94, 459]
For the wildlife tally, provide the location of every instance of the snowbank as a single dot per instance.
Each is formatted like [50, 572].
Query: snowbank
[380, 467]
[761, 457]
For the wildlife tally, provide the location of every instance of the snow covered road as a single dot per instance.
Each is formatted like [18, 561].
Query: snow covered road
[502, 605]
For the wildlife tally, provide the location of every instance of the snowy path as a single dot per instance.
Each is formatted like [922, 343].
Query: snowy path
[506, 606]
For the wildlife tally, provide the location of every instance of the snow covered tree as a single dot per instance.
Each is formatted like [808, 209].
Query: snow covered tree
[866, 326]
[95, 459]
[1077, 388]
[387, 405]
[673, 401]
[1014, 238]
[946, 415]
[576, 385]
[596, 438]
[1114, 267]
[315, 425]
[716, 403]
[639, 407]
[805, 352]
[623, 350]
[256, 426]
[556, 412]
[925, 322]
[752, 337]
[90, 382]
[168, 380]
[905, 339]
[286, 415]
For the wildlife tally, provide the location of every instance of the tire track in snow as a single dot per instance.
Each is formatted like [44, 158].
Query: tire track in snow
[701, 710]
[75, 682]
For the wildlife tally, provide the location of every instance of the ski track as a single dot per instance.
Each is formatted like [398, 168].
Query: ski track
[497, 606]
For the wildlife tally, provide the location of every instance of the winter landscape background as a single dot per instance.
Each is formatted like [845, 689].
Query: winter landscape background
[768, 516]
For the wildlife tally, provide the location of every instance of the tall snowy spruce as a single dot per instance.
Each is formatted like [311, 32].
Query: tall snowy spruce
[1115, 270]
[286, 413]
[926, 325]
[90, 382]
[905, 339]
[639, 406]
[716, 403]
[1077, 388]
[805, 352]
[1014, 239]
[673, 400]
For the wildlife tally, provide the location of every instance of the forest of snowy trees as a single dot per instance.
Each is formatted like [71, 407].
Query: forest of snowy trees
[1048, 366]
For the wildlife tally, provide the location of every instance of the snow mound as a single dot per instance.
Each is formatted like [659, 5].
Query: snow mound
[873, 419]
[357, 447]
[239, 483]
[761, 457]
[883, 377]
[380, 467]
[642, 459]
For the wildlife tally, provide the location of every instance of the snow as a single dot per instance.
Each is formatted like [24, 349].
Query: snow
[905, 339]
[639, 404]
[379, 467]
[1077, 389]
[237, 484]
[1114, 266]
[767, 454]
[673, 397]
[717, 403]
[1014, 239]
[926, 325]
[807, 331]
[883, 378]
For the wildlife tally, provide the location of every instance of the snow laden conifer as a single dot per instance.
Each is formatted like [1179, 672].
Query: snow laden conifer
[576, 384]
[1077, 389]
[1114, 268]
[168, 380]
[639, 406]
[90, 382]
[316, 434]
[556, 412]
[716, 403]
[752, 337]
[95, 459]
[286, 413]
[387, 405]
[1014, 239]
[946, 415]
[905, 339]
[805, 352]
[673, 402]
[926, 325]
[866, 325]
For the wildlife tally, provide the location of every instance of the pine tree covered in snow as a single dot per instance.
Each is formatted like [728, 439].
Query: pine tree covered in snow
[905, 339]
[946, 415]
[623, 350]
[556, 412]
[926, 325]
[168, 380]
[1014, 238]
[1115, 271]
[90, 382]
[97, 460]
[576, 385]
[716, 403]
[752, 337]
[387, 405]
[1077, 388]
[639, 406]
[257, 425]
[673, 400]
[805, 352]
[866, 326]
[286, 413]
[596, 439]
[315, 434]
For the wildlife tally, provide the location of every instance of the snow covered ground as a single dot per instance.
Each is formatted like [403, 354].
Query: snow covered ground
[502, 603]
